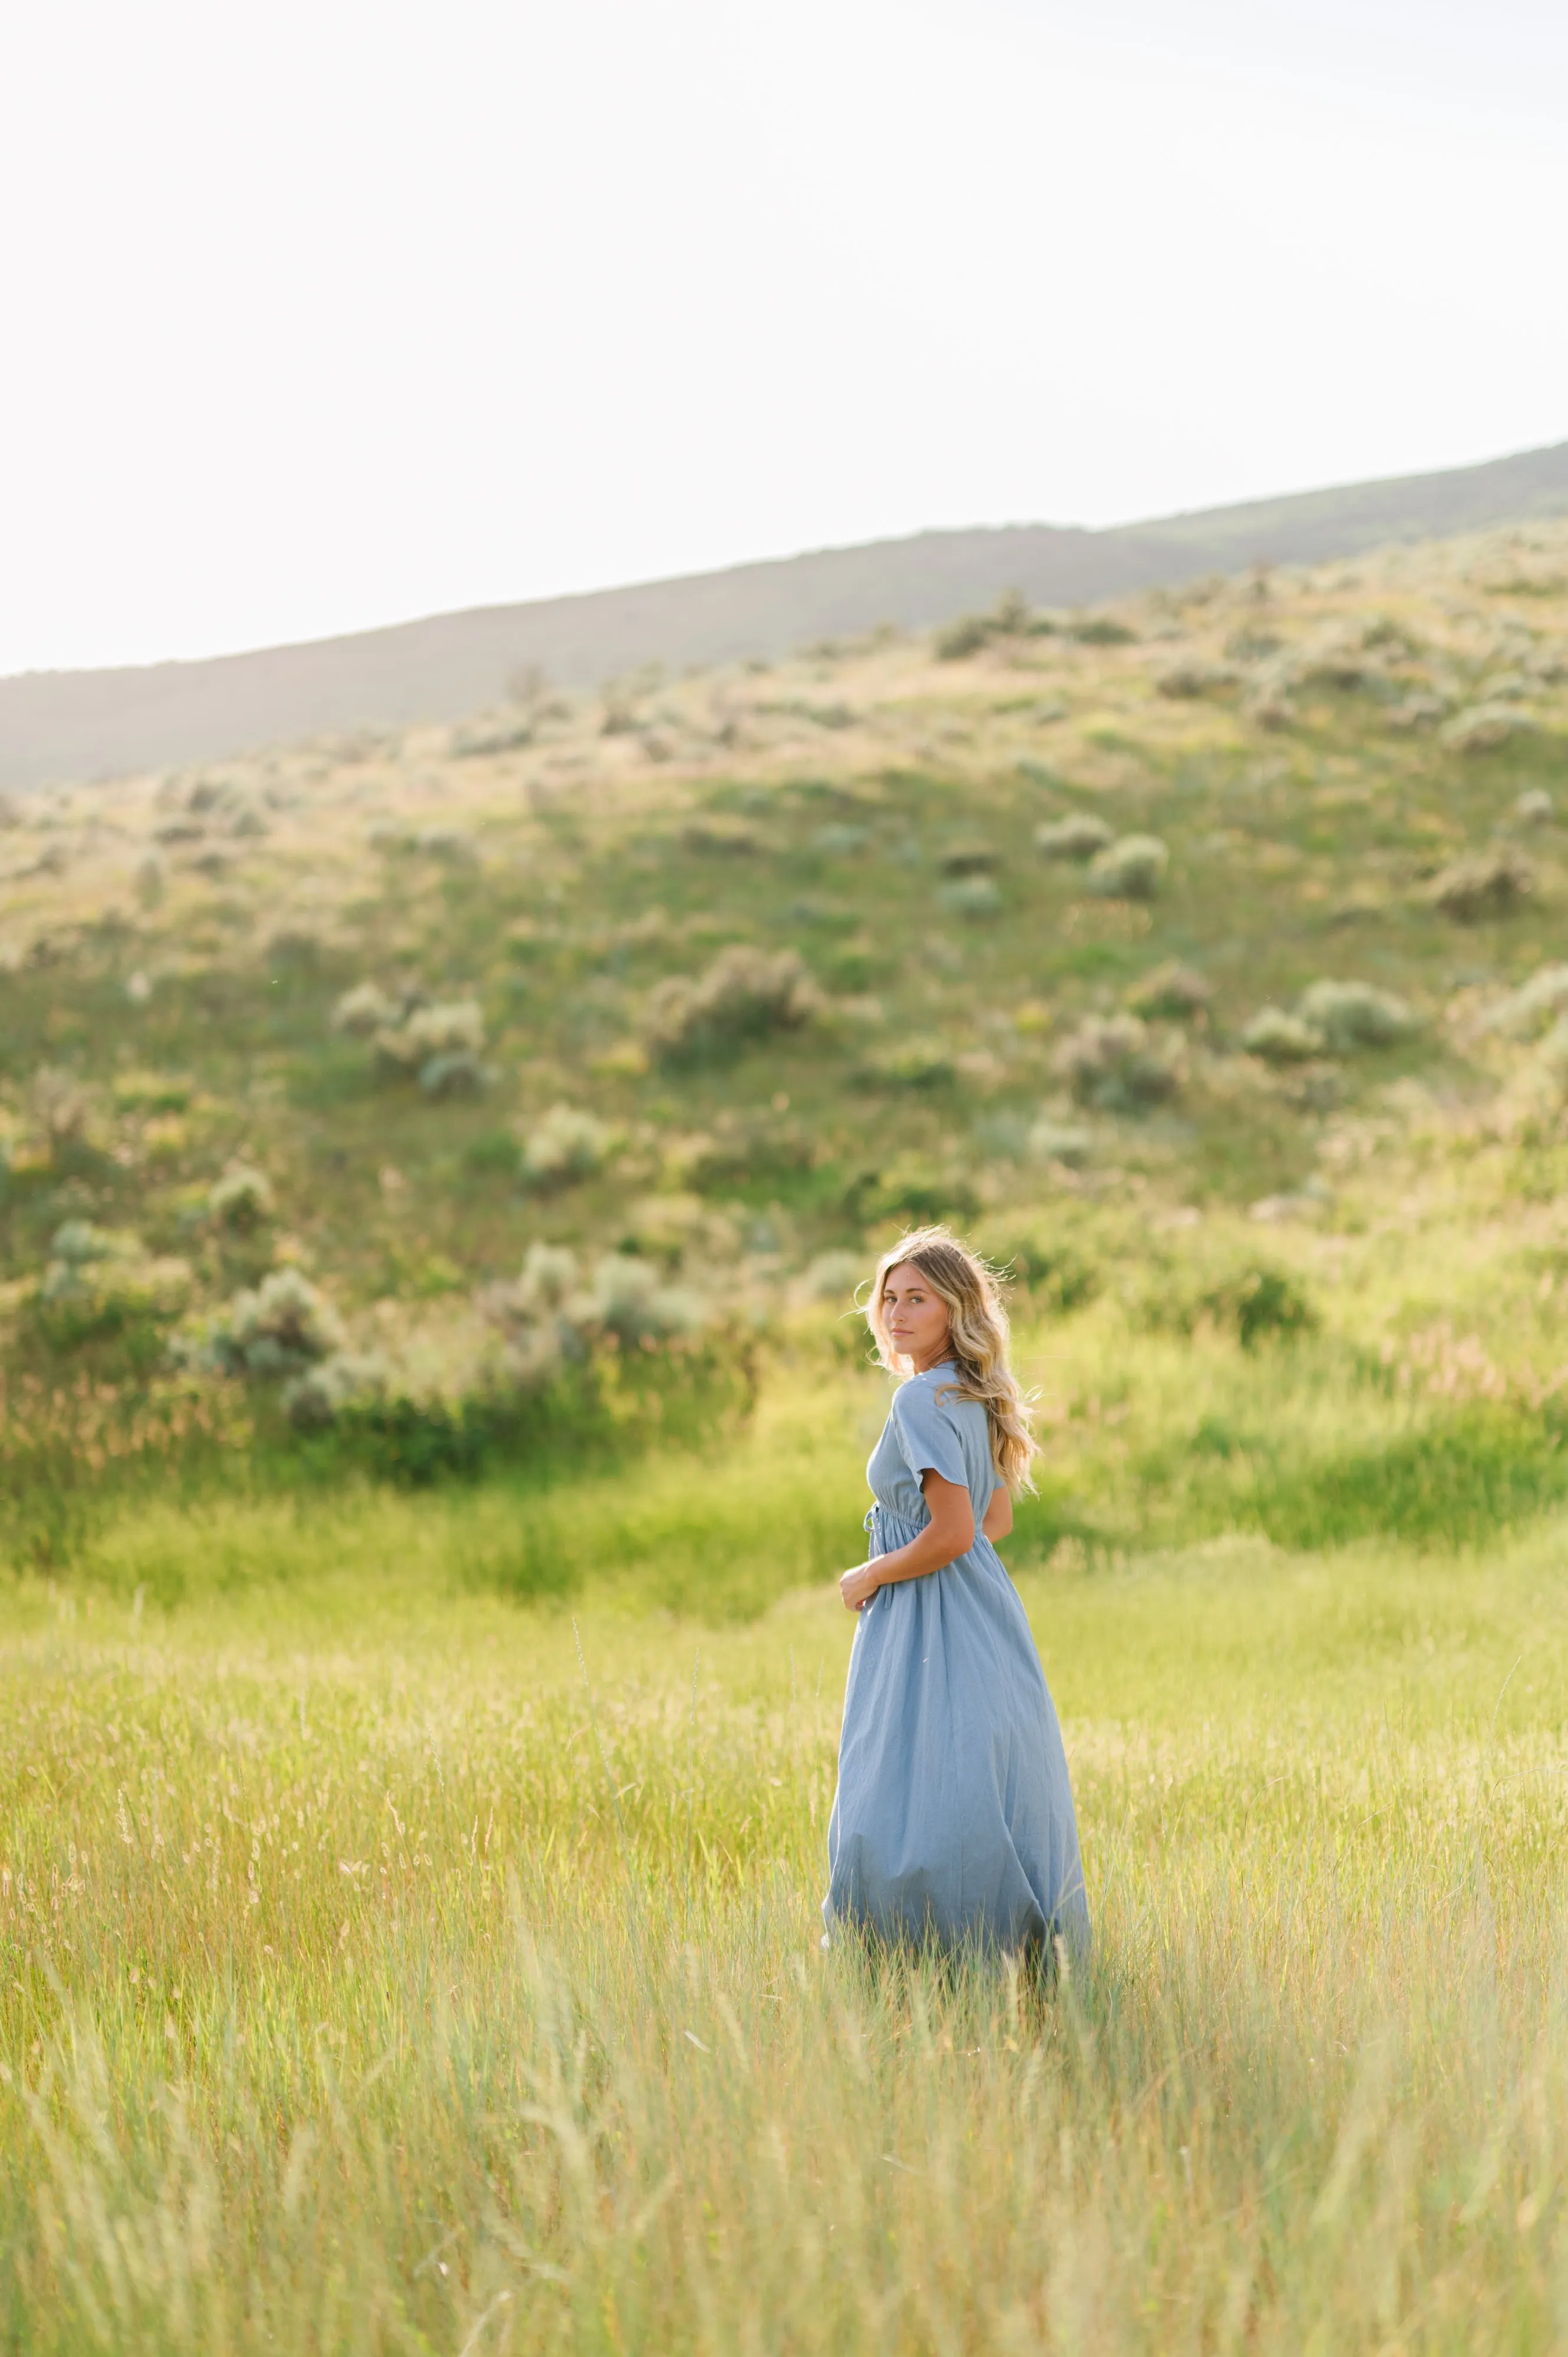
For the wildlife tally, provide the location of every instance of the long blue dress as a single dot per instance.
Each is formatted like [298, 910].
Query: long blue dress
[953, 1819]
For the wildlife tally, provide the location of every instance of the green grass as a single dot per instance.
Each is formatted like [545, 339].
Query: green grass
[411, 1833]
[377, 1980]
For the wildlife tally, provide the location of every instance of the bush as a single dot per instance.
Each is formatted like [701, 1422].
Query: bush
[919, 1190]
[454, 1025]
[97, 1283]
[1253, 1303]
[1485, 728]
[454, 846]
[965, 637]
[440, 1045]
[455, 1073]
[1077, 837]
[744, 995]
[1282, 1038]
[280, 1328]
[1257, 1303]
[1355, 1015]
[919, 1062]
[1535, 807]
[971, 897]
[564, 1145]
[1528, 1011]
[834, 1276]
[1113, 1061]
[364, 1010]
[242, 1199]
[1188, 681]
[1171, 992]
[153, 1092]
[1482, 885]
[317, 1397]
[1056, 1141]
[1131, 868]
[969, 859]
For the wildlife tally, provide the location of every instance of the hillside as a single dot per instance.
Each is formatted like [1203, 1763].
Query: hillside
[439, 1098]
[56, 726]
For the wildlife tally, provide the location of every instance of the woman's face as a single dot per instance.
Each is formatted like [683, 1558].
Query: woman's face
[916, 1317]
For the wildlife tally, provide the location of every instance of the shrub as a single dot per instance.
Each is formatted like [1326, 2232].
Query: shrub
[1535, 807]
[455, 1073]
[1101, 630]
[833, 1276]
[1527, 1012]
[365, 1010]
[242, 1199]
[632, 1301]
[921, 1062]
[454, 846]
[965, 637]
[1113, 1061]
[1077, 837]
[1057, 1141]
[153, 1092]
[316, 1399]
[1131, 868]
[1355, 1015]
[746, 994]
[565, 1144]
[1253, 1303]
[1259, 1303]
[279, 1327]
[548, 1315]
[98, 1282]
[445, 1030]
[1482, 885]
[919, 1190]
[969, 859]
[1282, 1038]
[1484, 727]
[441, 1045]
[1192, 679]
[840, 840]
[481, 739]
[1173, 992]
[971, 897]
[973, 632]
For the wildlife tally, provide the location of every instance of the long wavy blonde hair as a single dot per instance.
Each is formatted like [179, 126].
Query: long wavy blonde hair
[978, 1338]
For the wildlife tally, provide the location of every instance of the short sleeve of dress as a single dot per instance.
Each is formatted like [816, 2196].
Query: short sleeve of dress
[926, 1434]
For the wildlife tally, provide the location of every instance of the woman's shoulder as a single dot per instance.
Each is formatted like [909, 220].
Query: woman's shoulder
[936, 1388]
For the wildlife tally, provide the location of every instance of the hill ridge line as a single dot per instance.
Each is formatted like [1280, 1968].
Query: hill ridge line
[68, 725]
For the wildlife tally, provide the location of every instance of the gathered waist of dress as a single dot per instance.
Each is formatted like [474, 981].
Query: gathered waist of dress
[887, 1531]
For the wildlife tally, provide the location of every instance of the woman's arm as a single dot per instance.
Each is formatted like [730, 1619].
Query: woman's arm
[949, 1533]
[998, 1518]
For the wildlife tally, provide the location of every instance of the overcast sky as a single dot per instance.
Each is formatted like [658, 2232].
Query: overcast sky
[328, 313]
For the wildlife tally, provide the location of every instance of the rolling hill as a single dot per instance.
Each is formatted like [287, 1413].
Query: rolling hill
[58, 726]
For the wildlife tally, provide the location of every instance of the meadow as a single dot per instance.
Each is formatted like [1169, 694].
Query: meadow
[435, 1173]
[391, 1967]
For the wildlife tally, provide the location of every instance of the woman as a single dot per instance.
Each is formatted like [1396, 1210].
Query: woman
[953, 1819]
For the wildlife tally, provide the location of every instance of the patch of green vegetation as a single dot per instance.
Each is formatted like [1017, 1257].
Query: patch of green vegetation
[1018, 938]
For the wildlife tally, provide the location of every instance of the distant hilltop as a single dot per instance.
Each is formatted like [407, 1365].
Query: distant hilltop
[58, 726]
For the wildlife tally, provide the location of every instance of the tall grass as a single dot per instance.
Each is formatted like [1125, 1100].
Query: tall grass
[405, 1969]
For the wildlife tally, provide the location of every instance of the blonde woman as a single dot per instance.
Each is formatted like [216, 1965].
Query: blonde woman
[953, 1819]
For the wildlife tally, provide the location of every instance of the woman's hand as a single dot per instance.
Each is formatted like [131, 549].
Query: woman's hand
[858, 1585]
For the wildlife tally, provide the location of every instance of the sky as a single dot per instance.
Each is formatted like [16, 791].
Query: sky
[329, 314]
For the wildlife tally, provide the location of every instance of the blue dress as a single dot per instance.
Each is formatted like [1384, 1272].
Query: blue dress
[953, 1819]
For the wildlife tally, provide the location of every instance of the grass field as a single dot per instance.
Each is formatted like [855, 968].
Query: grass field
[393, 1966]
[434, 1170]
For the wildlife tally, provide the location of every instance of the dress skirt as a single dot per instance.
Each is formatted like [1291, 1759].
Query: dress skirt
[954, 1823]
